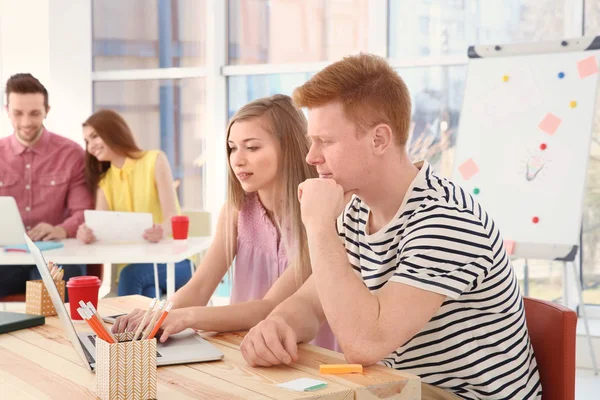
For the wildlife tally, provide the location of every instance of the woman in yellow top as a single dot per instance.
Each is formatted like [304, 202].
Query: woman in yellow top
[126, 178]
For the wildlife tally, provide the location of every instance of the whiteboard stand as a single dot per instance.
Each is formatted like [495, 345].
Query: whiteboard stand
[577, 279]
[582, 309]
[525, 130]
[578, 282]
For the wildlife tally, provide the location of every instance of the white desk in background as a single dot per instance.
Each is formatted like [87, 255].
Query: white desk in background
[74, 252]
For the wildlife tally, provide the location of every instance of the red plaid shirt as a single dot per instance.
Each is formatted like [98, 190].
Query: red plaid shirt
[46, 180]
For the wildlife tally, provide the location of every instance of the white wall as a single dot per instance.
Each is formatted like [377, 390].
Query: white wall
[53, 43]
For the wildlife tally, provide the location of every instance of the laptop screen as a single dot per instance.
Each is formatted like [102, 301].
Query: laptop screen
[63, 316]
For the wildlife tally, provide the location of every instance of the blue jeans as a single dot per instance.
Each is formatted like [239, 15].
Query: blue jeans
[14, 277]
[139, 278]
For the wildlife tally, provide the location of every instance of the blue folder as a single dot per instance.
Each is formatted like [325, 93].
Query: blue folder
[22, 248]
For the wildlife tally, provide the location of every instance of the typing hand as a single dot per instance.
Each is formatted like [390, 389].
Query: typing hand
[271, 342]
[85, 234]
[130, 322]
[46, 232]
[154, 234]
[177, 320]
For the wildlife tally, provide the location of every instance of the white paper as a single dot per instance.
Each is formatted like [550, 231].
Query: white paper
[301, 384]
[118, 227]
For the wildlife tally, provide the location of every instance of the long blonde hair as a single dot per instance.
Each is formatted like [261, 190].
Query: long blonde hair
[288, 125]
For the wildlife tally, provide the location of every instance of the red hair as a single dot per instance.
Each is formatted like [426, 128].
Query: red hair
[370, 91]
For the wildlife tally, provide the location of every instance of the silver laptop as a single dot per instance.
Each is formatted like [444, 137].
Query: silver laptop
[182, 348]
[11, 229]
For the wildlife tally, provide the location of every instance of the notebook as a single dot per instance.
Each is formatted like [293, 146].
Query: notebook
[43, 246]
[10, 321]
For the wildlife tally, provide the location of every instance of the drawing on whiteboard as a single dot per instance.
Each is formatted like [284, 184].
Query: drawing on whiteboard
[533, 166]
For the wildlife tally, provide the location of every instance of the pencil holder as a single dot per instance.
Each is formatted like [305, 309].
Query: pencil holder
[126, 370]
[37, 299]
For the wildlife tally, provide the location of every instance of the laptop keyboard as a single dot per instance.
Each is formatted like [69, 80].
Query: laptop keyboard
[93, 340]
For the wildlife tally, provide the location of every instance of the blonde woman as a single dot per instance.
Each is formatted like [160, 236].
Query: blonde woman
[259, 226]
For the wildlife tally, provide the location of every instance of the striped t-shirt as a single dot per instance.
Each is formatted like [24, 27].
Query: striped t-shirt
[441, 240]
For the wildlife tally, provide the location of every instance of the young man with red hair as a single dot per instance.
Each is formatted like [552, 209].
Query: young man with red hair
[414, 275]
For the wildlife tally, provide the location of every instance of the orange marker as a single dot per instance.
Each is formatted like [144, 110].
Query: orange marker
[340, 368]
[161, 319]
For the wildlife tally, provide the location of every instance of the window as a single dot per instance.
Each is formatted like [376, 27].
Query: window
[294, 31]
[484, 21]
[436, 94]
[136, 34]
[243, 89]
[591, 213]
[167, 115]
[591, 18]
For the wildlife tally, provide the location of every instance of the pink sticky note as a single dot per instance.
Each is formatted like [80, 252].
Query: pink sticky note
[509, 245]
[550, 123]
[587, 66]
[468, 169]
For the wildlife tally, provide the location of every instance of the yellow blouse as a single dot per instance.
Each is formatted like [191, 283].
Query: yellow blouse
[132, 187]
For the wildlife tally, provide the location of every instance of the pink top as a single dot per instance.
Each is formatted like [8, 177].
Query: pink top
[46, 180]
[261, 259]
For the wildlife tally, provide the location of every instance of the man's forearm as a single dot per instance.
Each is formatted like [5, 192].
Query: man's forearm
[351, 310]
[299, 313]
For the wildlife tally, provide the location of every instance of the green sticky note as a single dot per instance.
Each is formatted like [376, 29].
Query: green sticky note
[304, 385]
[316, 387]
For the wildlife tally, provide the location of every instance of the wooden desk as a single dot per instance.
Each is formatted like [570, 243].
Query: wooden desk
[41, 363]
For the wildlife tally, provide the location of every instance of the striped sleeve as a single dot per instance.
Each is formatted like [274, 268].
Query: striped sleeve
[444, 250]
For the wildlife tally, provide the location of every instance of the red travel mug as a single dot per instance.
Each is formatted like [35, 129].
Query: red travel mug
[180, 225]
[84, 288]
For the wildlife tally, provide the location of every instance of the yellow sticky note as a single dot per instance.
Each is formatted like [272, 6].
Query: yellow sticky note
[340, 368]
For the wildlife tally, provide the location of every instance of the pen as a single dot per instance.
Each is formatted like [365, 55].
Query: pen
[141, 326]
[12, 250]
[161, 319]
[153, 320]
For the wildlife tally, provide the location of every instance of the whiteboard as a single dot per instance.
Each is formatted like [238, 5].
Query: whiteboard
[523, 140]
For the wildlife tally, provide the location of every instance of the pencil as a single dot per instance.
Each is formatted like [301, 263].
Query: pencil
[153, 320]
[87, 318]
[161, 319]
[141, 326]
[97, 318]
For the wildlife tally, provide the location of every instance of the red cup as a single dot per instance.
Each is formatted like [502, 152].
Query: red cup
[180, 225]
[84, 288]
